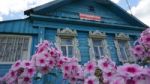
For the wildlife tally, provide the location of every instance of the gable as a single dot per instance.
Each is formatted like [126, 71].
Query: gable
[71, 9]
[74, 9]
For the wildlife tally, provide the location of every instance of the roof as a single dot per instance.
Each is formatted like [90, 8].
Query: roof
[59, 3]
[20, 26]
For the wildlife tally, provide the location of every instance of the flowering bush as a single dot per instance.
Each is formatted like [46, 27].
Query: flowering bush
[103, 71]
[141, 50]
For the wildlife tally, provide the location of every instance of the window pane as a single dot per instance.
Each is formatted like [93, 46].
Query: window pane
[25, 44]
[123, 53]
[97, 42]
[96, 52]
[64, 50]
[70, 51]
[98, 48]
[12, 47]
[67, 41]
[67, 46]
[123, 49]
[101, 51]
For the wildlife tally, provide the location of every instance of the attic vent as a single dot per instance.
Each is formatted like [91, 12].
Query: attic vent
[91, 8]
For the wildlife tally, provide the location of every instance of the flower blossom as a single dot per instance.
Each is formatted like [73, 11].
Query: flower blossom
[90, 67]
[91, 80]
[118, 80]
[106, 65]
[130, 70]
[16, 65]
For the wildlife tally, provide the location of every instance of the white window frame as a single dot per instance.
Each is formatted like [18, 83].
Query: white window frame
[25, 55]
[66, 46]
[100, 36]
[98, 47]
[68, 33]
[123, 37]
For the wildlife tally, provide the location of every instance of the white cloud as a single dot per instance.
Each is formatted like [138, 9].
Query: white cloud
[142, 11]
[115, 1]
[8, 7]
[1, 18]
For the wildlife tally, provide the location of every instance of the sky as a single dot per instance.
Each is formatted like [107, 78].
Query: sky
[14, 9]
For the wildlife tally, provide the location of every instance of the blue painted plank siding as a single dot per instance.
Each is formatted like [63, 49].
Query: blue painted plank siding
[23, 26]
[50, 34]
[53, 25]
[111, 48]
[83, 46]
[4, 69]
[34, 43]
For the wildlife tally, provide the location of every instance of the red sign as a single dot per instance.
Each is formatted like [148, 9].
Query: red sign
[89, 17]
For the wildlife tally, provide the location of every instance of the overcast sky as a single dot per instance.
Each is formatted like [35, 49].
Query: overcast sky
[13, 9]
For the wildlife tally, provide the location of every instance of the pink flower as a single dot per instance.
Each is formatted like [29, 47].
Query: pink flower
[46, 55]
[30, 71]
[40, 61]
[51, 63]
[146, 71]
[91, 80]
[66, 75]
[108, 75]
[73, 80]
[42, 46]
[138, 50]
[44, 69]
[74, 66]
[106, 65]
[146, 32]
[90, 67]
[33, 60]
[130, 70]
[58, 53]
[60, 63]
[10, 77]
[66, 68]
[74, 60]
[65, 59]
[25, 80]
[16, 65]
[27, 64]
[131, 81]
[52, 52]
[118, 80]
[80, 74]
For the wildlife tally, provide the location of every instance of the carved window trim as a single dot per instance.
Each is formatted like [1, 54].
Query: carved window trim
[123, 37]
[69, 33]
[97, 35]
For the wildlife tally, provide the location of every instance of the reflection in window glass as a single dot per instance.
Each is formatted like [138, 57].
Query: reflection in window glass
[98, 48]
[67, 46]
[123, 49]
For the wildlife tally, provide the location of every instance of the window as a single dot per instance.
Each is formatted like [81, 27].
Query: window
[123, 49]
[122, 46]
[67, 46]
[91, 8]
[98, 48]
[97, 45]
[66, 41]
[14, 47]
